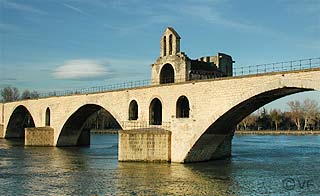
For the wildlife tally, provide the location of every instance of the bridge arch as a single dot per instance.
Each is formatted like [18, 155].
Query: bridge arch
[215, 140]
[20, 119]
[167, 74]
[238, 112]
[155, 112]
[75, 132]
[182, 107]
[133, 110]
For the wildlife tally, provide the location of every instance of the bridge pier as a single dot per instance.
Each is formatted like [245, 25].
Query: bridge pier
[152, 144]
[39, 136]
[210, 147]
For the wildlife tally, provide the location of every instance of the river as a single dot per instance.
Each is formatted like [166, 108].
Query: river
[260, 165]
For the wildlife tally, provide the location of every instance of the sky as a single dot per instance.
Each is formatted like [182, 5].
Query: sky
[48, 45]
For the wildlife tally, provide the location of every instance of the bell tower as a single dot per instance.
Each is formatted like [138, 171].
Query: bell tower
[173, 66]
[169, 43]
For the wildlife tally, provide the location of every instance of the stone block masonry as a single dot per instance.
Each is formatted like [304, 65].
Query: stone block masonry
[39, 136]
[145, 145]
[1, 131]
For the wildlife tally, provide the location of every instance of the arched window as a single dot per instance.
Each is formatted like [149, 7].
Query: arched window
[155, 112]
[167, 74]
[170, 44]
[183, 107]
[48, 117]
[133, 110]
[164, 46]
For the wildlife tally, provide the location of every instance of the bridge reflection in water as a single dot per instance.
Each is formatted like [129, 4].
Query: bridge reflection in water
[257, 167]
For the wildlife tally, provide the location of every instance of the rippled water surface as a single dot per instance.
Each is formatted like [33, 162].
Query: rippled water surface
[260, 165]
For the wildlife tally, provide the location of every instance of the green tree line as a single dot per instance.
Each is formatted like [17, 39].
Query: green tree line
[301, 116]
[9, 94]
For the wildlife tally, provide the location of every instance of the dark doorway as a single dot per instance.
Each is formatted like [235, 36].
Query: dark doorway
[155, 112]
[182, 107]
[133, 110]
[167, 74]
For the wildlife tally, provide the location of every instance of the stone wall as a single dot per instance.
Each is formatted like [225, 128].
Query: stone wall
[39, 136]
[1, 131]
[145, 145]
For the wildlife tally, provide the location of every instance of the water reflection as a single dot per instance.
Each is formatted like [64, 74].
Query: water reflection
[256, 168]
[176, 179]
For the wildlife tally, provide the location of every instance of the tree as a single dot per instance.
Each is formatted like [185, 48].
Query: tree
[287, 122]
[248, 121]
[263, 121]
[296, 113]
[310, 112]
[35, 94]
[29, 95]
[26, 94]
[275, 116]
[10, 94]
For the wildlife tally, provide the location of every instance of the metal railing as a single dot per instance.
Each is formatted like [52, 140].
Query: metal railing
[130, 125]
[237, 71]
[97, 89]
[277, 67]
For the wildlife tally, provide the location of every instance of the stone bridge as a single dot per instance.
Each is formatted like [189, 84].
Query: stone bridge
[202, 114]
[188, 113]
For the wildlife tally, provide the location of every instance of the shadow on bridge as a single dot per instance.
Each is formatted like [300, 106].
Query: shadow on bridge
[76, 130]
[19, 120]
[215, 142]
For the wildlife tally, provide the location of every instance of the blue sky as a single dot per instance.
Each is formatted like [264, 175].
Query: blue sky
[43, 42]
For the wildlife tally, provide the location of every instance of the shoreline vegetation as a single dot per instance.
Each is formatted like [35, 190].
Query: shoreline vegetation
[242, 132]
[276, 132]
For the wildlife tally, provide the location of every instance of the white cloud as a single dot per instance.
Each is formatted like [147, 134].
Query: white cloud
[75, 9]
[81, 69]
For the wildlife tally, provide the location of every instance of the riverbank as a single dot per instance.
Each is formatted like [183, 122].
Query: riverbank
[279, 132]
[104, 131]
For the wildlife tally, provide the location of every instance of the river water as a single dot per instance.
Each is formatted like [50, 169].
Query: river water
[260, 165]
